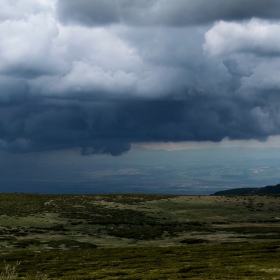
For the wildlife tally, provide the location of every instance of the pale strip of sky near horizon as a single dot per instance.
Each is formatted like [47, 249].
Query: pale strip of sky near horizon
[271, 142]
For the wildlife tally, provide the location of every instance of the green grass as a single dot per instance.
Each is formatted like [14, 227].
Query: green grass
[223, 261]
[140, 236]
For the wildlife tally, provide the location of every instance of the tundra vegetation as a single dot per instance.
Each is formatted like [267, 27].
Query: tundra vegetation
[139, 237]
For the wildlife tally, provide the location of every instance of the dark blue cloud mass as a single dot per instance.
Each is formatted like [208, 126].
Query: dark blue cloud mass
[109, 128]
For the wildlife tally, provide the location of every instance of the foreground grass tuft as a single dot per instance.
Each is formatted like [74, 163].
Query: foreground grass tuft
[9, 272]
[41, 276]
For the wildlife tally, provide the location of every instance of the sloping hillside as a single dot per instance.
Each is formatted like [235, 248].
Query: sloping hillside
[243, 191]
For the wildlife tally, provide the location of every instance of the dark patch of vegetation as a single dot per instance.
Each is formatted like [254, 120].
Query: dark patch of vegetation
[69, 244]
[155, 230]
[61, 243]
[144, 232]
[252, 229]
[193, 241]
[25, 243]
[264, 236]
[193, 270]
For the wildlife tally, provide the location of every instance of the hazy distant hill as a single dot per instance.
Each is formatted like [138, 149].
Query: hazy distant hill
[239, 191]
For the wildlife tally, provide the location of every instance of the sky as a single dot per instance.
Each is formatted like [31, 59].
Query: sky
[104, 76]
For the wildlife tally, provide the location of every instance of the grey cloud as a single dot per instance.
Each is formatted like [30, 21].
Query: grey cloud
[102, 89]
[163, 12]
[88, 12]
[258, 37]
[235, 69]
[17, 10]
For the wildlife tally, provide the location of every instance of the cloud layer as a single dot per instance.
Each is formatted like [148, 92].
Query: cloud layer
[100, 75]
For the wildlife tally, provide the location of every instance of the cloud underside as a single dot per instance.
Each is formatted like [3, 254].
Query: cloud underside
[163, 12]
[109, 127]
[100, 75]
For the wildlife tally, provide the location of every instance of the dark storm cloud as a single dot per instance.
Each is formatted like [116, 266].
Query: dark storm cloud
[109, 128]
[163, 12]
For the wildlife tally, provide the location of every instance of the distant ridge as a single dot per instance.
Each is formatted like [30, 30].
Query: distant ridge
[243, 191]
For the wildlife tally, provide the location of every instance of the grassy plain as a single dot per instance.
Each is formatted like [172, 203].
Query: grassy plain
[141, 236]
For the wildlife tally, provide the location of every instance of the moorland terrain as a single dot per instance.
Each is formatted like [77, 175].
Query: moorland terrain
[133, 236]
